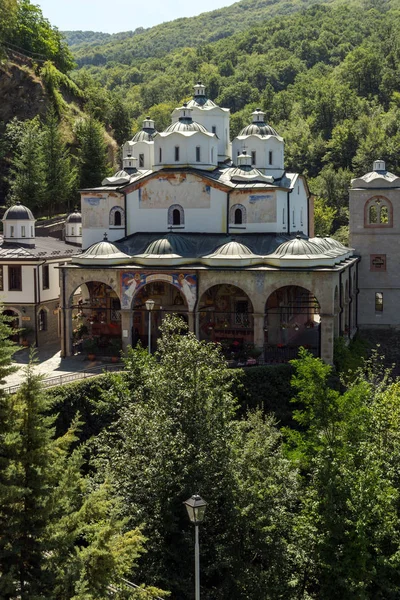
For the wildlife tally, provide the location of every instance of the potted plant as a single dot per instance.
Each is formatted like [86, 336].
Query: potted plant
[90, 347]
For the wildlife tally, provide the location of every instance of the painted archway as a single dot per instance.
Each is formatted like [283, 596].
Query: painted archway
[226, 317]
[292, 320]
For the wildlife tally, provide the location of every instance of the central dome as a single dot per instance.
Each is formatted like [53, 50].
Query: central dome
[261, 129]
[184, 125]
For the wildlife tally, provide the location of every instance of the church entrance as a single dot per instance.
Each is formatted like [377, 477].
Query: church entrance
[292, 320]
[167, 298]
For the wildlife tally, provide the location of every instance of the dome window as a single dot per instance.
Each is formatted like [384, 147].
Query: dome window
[253, 157]
[270, 157]
[23, 231]
[198, 154]
[176, 153]
[141, 161]
[160, 155]
[176, 215]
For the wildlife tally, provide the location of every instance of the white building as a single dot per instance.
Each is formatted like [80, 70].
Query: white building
[219, 233]
[30, 277]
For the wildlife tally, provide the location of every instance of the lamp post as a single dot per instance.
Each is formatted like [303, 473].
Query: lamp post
[196, 507]
[149, 306]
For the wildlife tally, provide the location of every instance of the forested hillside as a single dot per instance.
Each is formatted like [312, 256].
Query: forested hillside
[161, 39]
[328, 78]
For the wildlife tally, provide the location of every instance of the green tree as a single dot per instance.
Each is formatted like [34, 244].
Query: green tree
[27, 173]
[349, 519]
[93, 164]
[62, 536]
[60, 174]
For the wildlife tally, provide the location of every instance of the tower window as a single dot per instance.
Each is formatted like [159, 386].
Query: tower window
[197, 153]
[12, 231]
[253, 157]
[176, 153]
[378, 212]
[141, 161]
[23, 230]
[378, 302]
[160, 154]
[270, 157]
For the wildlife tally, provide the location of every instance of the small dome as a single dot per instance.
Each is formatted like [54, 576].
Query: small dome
[335, 243]
[261, 129]
[233, 249]
[170, 244]
[102, 251]
[298, 247]
[18, 211]
[74, 217]
[185, 125]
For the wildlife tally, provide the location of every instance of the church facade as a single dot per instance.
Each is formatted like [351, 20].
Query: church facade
[215, 231]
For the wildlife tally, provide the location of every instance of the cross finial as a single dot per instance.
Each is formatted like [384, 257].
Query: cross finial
[105, 237]
[244, 148]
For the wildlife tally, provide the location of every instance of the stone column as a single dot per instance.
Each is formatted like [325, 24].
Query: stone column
[126, 328]
[258, 320]
[327, 336]
[66, 332]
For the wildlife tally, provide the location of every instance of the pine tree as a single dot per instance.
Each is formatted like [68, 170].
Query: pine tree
[60, 174]
[61, 534]
[28, 167]
[93, 163]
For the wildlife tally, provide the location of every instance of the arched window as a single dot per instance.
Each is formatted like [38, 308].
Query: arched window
[42, 320]
[378, 212]
[238, 215]
[176, 215]
[116, 216]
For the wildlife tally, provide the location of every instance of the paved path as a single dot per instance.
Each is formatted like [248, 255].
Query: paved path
[49, 364]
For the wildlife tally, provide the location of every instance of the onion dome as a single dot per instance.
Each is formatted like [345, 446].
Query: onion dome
[258, 126]
[170, 244]
[298, 247]
[74, 217]
[103, 252]
[18, 212]
[147, 132]
[185, 122]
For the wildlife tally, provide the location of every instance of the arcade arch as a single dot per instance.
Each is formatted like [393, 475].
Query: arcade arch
[168, 299]
[292, 320]
[226, 316]
[95, 311]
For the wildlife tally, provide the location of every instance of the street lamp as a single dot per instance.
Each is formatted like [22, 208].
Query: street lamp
[196, 508]
[150, 305]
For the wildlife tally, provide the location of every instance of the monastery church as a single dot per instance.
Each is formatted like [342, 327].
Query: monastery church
[220, 233]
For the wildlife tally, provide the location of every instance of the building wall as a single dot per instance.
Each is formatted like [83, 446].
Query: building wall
[95, 208]
[204, 206]
[379, 249]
